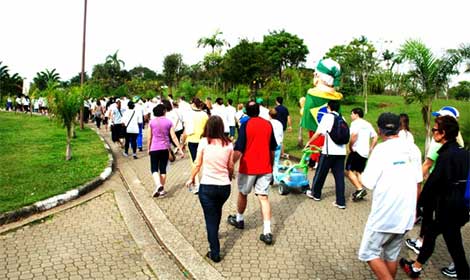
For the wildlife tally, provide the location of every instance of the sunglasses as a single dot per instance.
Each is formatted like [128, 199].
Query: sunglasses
[434, 129]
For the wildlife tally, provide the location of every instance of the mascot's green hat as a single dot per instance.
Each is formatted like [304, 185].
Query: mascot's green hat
[331, 68]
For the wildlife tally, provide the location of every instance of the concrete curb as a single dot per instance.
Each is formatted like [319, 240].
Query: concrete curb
[43, 205]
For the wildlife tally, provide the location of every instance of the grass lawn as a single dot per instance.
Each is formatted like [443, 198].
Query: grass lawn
[32, 159]
[377, 105]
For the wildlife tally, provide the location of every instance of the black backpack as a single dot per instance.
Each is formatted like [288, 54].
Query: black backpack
[340, 131]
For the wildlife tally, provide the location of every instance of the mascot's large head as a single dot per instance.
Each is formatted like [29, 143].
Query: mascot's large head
[328, 71]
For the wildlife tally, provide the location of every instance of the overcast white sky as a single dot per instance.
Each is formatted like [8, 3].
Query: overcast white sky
[40, 34]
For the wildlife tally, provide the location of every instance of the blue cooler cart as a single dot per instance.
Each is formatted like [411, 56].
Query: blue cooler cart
[290, 177]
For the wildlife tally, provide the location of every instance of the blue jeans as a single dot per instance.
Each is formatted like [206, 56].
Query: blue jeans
[277, 155]
[212, 198]
[139, 136]
[336, 164]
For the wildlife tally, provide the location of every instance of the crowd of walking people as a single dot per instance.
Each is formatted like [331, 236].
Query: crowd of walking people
[217, 135]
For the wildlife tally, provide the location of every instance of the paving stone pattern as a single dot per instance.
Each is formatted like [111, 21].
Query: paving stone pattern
[89, 241]
[313, 240]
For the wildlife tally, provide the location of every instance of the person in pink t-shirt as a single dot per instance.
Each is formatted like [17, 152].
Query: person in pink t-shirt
[160, 130]
[215, 157]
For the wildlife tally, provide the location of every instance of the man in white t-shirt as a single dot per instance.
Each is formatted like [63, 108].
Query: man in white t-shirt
[332, 157]
[263, 111]
[231, 111]
[393, 172]
[359, 147]
[218, 109]
[278, 131]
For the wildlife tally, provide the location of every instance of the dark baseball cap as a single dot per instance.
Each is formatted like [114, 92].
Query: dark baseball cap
[389, 123]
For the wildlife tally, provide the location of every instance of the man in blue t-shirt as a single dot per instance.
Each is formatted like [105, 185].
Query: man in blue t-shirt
[283, 114]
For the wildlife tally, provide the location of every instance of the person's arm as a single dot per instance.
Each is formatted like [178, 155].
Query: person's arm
[289, 123]
[313, 138]
[196, 168]
[426, 167]
[373, 143]
[240, 143]
[175, 140]
[352, 140]
[230, 165]
[149, 139]
[236, 156]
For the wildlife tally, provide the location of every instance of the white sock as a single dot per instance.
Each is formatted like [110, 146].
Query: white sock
[266, 227]
[415, 269]
[239, 217]
[156, 180]
[419, 243]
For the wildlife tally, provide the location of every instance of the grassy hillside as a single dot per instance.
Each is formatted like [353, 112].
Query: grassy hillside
[379, 104]
[32, 159]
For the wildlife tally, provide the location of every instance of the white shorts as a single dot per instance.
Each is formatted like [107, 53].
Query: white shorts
[383, 245]
[260, 182]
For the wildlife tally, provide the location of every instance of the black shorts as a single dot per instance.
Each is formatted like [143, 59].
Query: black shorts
[356, 162]
[193, 150]
[158, 161]
[118, 131]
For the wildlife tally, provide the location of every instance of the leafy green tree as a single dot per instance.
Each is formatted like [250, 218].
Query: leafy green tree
[172, 70]
[76, 80]
[142, 73]
[110, 75]
[357, 62]
[284, 50]
[461, 91]
[429, 76]
[213, 65]
[65, 105]
[141, 87]
[245, 63]
[213, 41]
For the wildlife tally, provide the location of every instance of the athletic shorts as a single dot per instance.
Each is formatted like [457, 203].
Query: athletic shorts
[383, 245]
[259, 182]
[356, 162]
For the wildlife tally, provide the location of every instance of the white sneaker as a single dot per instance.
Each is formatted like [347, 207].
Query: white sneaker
[125, 154]
[339, 206]
[309, 194]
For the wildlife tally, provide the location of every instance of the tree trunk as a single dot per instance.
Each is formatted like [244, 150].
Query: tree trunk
[300, 140]
[68, 149]
[364, 91]
[82, 108]
[426, 112]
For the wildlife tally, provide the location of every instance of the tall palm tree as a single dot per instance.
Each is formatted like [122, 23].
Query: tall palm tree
[45, 77]
[114, 61]
[430, 75]
[213, 41]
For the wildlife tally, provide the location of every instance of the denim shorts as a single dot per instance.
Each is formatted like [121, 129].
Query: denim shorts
[383, 245]
[259, 182]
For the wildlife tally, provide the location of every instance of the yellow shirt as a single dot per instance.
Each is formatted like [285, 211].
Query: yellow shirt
[196, 127]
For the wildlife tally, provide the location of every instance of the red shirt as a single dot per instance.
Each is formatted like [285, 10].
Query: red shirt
[256, 141]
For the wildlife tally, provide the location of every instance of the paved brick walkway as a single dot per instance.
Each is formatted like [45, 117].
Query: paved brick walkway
[89, 241]
[313, 240]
